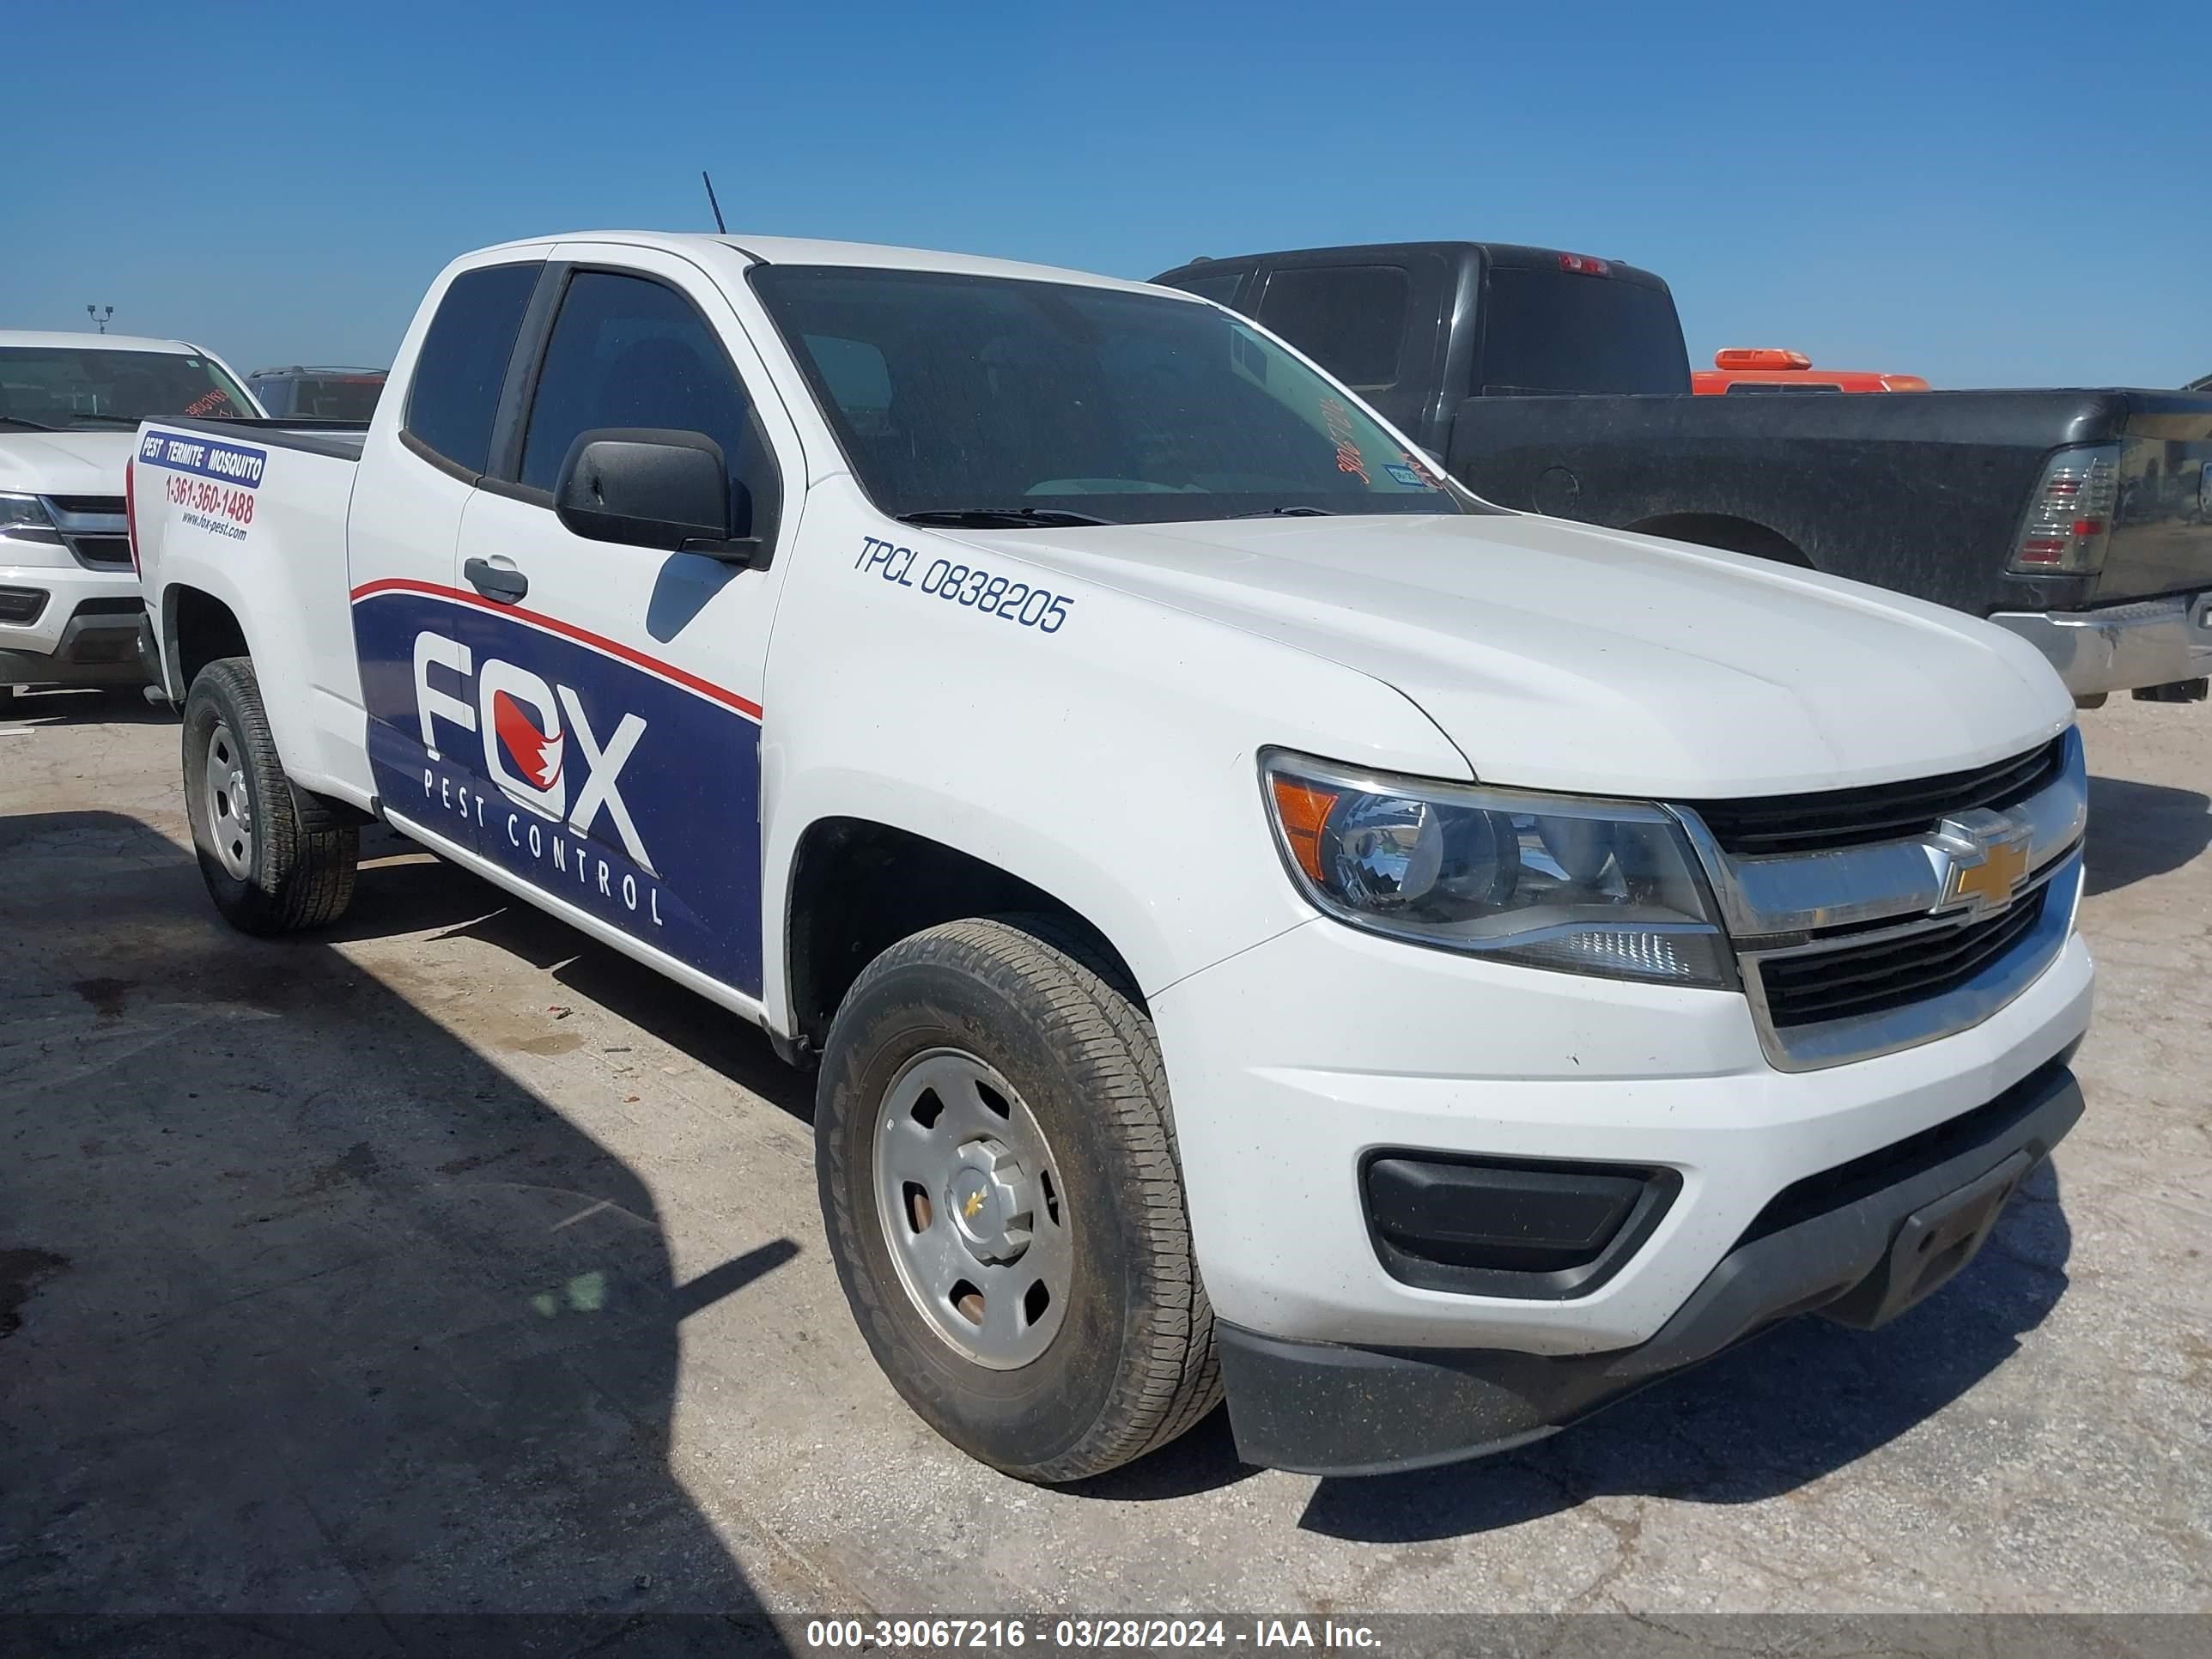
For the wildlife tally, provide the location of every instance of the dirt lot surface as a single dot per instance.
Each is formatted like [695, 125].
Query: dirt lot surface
[451, 1262]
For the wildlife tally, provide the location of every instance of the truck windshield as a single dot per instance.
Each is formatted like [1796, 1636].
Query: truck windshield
[1015, 400]
[1555, 331]
[66, 386]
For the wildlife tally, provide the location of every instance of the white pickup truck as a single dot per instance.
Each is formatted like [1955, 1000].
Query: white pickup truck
[1266, 922]
[70, 407]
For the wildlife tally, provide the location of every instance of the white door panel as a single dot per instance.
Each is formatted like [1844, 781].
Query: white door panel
[619, 688]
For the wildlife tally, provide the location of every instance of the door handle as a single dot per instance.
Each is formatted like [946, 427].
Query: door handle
[496, 581]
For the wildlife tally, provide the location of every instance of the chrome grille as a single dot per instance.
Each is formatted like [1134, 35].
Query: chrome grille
[1852, 980]
[94, 529]
[1859, 936]
[1828, 818]
[106, 552]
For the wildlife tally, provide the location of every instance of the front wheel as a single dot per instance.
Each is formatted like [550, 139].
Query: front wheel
[998, 1176]
[275, 858]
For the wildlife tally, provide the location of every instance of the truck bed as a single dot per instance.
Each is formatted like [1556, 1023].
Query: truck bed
[1922, 491]
[340, 440]
[253, 514]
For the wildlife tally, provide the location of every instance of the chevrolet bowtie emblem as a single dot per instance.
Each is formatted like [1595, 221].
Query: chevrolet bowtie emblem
[1992, 880]
[1984, 857]
[974, 1203]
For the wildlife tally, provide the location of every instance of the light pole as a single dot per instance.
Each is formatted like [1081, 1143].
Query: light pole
[93, 312]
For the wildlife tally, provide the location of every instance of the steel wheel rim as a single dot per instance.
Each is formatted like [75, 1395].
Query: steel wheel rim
[985, 1257]
[229, 808]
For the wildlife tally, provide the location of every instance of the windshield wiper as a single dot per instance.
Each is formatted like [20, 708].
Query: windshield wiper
[101, 415]
[998, 518]
[27, 426]
[1289, 513]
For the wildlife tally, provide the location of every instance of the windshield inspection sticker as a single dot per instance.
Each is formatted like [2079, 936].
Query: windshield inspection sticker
[970, 586]
[212, 480]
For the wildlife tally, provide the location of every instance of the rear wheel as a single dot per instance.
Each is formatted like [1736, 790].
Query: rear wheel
[999, 1176]
[275, 858]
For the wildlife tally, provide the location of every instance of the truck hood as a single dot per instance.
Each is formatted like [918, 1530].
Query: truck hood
[64, 462]
[1563, 656]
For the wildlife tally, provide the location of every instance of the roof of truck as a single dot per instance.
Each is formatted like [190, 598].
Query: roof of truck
[1510, 255]
[803, 251]
[81, 341]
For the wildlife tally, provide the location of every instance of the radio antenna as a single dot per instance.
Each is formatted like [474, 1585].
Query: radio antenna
[712, 203]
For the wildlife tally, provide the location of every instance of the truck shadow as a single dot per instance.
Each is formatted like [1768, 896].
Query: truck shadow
[1737, 1431]
[112, 705]
[2137, 830]
[310, 1307]
[403, 890]
[1803, 1401]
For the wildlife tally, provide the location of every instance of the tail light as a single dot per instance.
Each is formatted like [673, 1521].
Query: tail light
[1583, 266]
[130, 512]
[2069, 522]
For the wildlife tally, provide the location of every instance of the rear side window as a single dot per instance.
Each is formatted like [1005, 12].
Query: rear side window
[463, 363]
[1351, 319]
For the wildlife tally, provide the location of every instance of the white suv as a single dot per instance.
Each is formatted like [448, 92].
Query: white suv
[70, 408]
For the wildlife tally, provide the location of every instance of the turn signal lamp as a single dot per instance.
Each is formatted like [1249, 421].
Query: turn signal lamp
[1301, 808]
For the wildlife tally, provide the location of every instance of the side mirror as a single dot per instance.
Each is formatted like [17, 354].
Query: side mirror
[650, 487]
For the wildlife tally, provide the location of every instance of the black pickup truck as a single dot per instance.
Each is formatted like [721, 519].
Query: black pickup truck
[1558, 383]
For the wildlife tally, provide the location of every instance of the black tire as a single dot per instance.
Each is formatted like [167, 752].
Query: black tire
[1133, 1363]
[300, 869]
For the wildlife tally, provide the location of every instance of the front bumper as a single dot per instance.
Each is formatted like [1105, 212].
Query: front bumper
[1297, 1061]
[84, 631]
[2122, 647]
[1827, 1244]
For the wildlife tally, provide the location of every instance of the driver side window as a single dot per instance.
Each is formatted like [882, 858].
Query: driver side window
[628, 351]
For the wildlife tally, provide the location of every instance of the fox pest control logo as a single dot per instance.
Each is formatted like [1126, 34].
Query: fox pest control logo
[534, 751]
[528, 728]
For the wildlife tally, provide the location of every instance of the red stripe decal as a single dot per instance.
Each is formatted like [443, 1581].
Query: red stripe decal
[745, 706]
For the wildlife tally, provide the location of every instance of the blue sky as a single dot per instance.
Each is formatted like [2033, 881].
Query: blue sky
[2014, 194]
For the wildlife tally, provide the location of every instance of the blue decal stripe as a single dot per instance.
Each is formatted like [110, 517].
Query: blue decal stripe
[182, 452]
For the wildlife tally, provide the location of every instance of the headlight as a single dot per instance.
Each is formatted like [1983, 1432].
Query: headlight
[25, 518]
[1602, 887]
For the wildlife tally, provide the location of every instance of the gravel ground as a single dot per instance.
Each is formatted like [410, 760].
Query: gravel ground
[449, 1262]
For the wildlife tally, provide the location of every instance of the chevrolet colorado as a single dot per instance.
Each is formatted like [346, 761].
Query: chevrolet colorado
[1265, 924]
